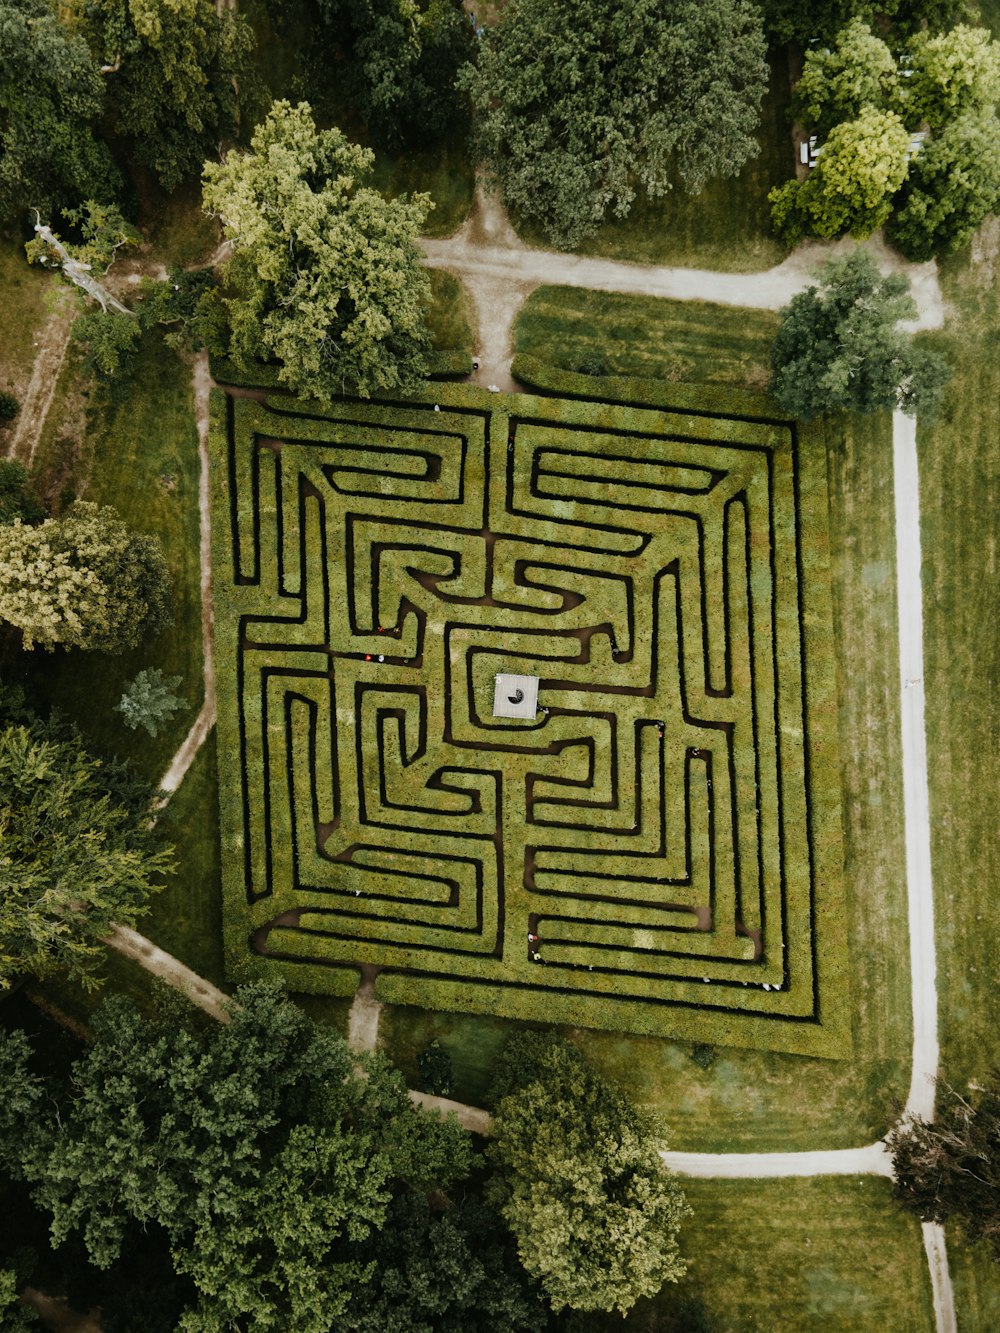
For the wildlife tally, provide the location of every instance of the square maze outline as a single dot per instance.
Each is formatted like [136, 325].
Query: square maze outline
[442, 452]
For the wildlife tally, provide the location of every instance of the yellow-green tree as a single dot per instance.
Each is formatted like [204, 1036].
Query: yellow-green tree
[83, 581]
[862, 165]
[325, 276]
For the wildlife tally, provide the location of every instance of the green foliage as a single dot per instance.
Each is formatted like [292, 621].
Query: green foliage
[267, 1151]
[838, 83]
[17, 500]
[862, 165]
[954, 74]
[14, 1317]
[402, 60]
[436, 1073]
[444, 1272]
[77, 855]
[325, 277]
[791, 20]
[581, 1184]
[578, 103]
[950, 1168]
[110, 342]
[176, 70]
[187, 304]
[954, 182]
[82, 581]
[839, 348]
[9, 406]
[149, 700]
[50, 103]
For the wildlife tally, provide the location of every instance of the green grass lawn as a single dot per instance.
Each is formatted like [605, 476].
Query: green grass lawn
[827, 1255]
[27, 294]
[648, 336]
[960, 497]
[139, 454]
[449, 313]
[727, 226]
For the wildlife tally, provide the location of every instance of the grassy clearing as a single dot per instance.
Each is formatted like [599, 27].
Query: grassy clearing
[139, 454]
[727, 226]
[286, 60]
[647, 336]
[833, 1255]
[960, 497]
[27, 292]
[976, 1280]
[449, 313]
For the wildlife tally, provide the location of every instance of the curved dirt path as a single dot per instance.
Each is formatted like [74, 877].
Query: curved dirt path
[499, 271]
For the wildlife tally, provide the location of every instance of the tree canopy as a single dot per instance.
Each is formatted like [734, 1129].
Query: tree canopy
[953, 183]
[950, 1167]
[862, 165]
[401, 61]
[854, 95]
[177, 72]
[839, 348]
[579, 102]
[325, 276]
[267, 1153]
[83, 581]
[51, 98]
[791, 20]
[76, 853]
[580, 1181]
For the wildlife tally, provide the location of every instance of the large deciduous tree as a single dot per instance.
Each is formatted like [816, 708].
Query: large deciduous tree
[950, 1167]
[838, 82]
[83, 581]
[578, 102]
[175, 70]
[76, 853]
[267, 1152]
[953, 183]
[51, 97]
[401, 60]
[839, 347]
[325, 276]
[580, 1181]
[862, 165]
[953, 74]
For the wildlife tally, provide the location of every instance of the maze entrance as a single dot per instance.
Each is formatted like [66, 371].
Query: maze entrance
[656, 847]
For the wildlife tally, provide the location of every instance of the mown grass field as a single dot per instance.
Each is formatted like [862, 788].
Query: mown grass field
[823, 1255]
[647, 336]
[449, 313]
[288, 64]
[728, 226]
[960, 497]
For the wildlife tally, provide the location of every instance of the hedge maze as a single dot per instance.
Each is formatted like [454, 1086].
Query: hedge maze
[657, 849]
